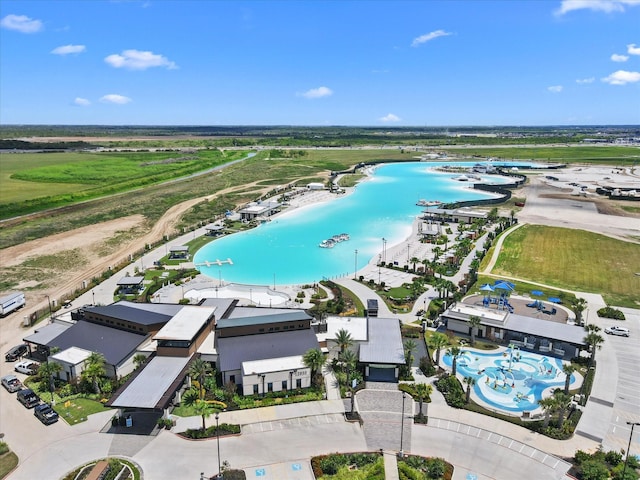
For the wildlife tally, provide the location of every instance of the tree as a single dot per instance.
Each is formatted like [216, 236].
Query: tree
[594, 340]
[437, 341]
[314, 359]
[454, 351]
[423, 392]
[578, 306]
[563, 401]
[94, 370]
[343, 340]
[199, 370]
[139, 359]
[469, 382]
[409, 347]
[414, 260]
[568, 369]
[46, 373]
[204, 410]
[474, 323]
[549, 405]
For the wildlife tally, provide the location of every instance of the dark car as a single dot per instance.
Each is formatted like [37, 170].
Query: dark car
[28, 398]
[16, 352]
[45, 413]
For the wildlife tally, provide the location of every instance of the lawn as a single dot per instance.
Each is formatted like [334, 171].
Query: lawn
[573, 260]
[77, 410]
[8, 461]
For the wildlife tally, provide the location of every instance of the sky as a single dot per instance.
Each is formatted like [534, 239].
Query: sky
[353, 63]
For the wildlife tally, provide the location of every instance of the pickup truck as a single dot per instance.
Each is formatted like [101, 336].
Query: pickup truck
[28, 398]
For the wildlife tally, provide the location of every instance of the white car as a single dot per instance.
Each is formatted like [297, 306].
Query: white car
[27, 367]
[622, 331]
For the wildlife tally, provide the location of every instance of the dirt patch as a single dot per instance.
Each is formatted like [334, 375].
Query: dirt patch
[605, 207]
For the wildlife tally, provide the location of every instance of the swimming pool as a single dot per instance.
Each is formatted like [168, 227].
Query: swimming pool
[285, 251]
[510, 380]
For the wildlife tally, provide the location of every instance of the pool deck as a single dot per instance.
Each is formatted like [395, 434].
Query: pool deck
[519, 304]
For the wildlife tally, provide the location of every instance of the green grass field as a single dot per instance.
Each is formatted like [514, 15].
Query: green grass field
[574, 260]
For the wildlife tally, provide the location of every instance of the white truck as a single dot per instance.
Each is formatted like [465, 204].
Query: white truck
[11, 302]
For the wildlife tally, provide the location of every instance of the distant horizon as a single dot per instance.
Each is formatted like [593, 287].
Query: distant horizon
[309, 63]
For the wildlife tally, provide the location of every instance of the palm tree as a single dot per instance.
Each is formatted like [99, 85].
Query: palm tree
[414, 260]
[594, 340]
[474, 323]
[549, 405]
[46, 373]
[200, 369]
[201, 408]
[139, 359]
[568, 369]
[562, 400]
[437, 341]
[578, 306]
[343, 340]
[94, 369]
[349, 360]
[470, 382]
[454, 351]
[314, 359]
[409, 347]
[423, 392]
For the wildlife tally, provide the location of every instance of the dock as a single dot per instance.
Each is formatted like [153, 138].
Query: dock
[217, 261]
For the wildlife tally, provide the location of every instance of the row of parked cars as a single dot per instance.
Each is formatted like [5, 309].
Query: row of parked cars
[26, 396]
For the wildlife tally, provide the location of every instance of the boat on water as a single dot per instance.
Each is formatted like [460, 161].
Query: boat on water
[331, 242]
[428, 203]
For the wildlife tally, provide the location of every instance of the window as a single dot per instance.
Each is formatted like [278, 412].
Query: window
[232, 378]
[270, 387]
[261, 329]
[298, 383]
[284, 385]
[255, 389]
[277, 328]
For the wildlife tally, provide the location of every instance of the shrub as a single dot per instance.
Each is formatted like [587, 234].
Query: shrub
[452, 391]
[609, 312]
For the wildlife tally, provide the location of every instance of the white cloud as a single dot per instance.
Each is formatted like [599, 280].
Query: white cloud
[115, 98]
[622, 77]
[607, 6]
[555, 88]
[317, 93]
[582, 81]
[81, 102]
[632, 49]
[429, 36]
[390, 117]
[67, 49]
[619, 58]
[21, 23]
[139, 60]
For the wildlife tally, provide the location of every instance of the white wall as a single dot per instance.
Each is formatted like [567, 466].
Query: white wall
[248, 381]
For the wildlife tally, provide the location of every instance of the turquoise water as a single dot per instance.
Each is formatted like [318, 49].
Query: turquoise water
[511, 383]
[285, 251]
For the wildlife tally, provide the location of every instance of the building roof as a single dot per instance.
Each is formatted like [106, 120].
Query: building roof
[130, 312]
[186, 323]
[243, 316]
[114, 344]
[152, 387]
[214, 226]
[279, 364]
[562, 332]
[130, 280]
[72, 355]
[356, 326]
[385, 342]
[179, 248]
[233, 351]
[43, 335]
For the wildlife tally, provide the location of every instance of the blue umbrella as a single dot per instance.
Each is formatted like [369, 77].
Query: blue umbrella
[504, 286]
[487, 288]
[555, 300]
[537, 293]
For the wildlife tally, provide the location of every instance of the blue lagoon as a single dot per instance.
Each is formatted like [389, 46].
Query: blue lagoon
[285, 250]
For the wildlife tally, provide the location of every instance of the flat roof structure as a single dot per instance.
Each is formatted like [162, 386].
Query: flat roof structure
[114, 344]
[544, 328]
[185, 324]
[179, 248]
[154, 386]
[72, 355]
[233, 351]
[128, 311]
[356, 326]
[244, 316]
[279, 364]
[43, 335]
[384, 344]
[128, 281]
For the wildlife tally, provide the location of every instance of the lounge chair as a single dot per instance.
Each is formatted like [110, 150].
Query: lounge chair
[533, 305]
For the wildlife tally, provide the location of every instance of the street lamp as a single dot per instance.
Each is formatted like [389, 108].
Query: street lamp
[262, 376]
[50, 312]
[93, 294]
[404, 395]
[626, 460]
[355, 266]
[218, 440]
